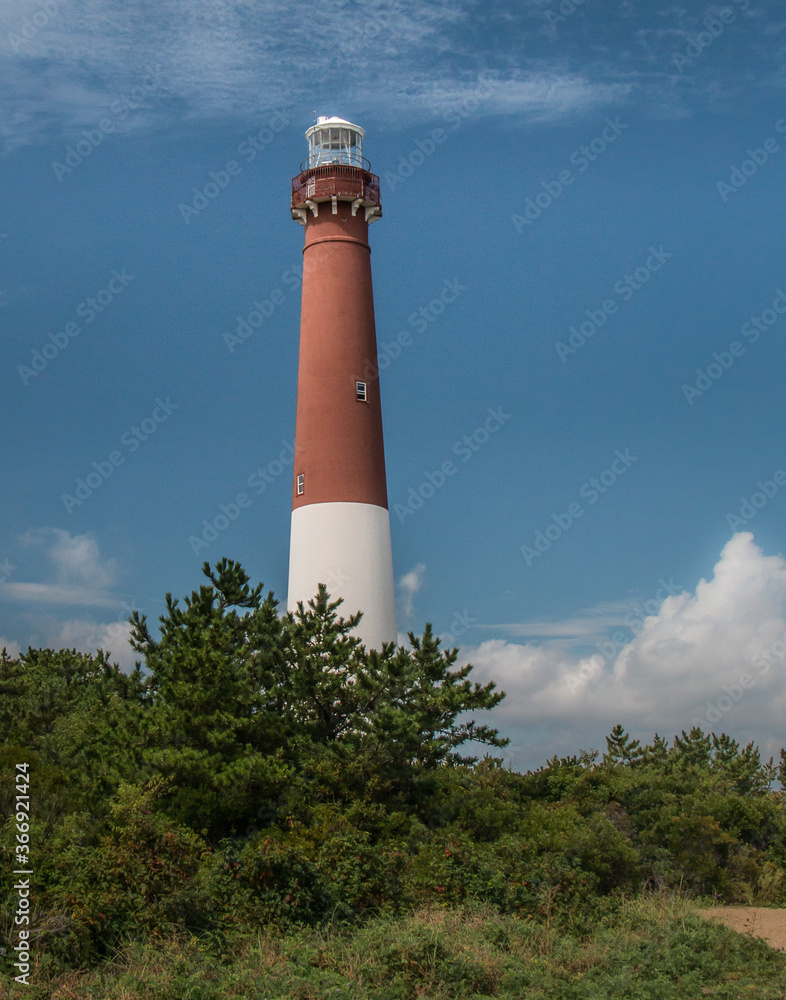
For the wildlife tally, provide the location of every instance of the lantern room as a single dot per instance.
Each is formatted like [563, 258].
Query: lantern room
[335, 140]
[335, 171]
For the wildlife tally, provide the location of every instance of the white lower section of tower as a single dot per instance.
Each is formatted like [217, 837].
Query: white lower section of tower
[346, 546]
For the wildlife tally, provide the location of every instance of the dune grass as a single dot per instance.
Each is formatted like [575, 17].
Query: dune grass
[654, 948]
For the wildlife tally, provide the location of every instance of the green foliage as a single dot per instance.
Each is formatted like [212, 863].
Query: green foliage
[652, 949]
[42, 688]
[79, 716]
[266, 770]
[215, 724]
[130, 878]
[247, 706]
[621, 749]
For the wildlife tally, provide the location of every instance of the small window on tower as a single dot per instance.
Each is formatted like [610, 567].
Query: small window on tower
[300, 480]
[360, 390]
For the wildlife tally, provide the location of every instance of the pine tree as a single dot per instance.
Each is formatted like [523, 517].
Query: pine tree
[693, 749]
[216, 725]
[242, 701]
[371, 722]
[743, 768]
[78, 715]
[621, 749]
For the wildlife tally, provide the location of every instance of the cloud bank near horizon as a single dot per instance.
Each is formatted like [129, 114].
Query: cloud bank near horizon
[715, 658]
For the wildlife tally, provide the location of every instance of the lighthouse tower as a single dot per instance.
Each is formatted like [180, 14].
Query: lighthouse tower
[340, 523]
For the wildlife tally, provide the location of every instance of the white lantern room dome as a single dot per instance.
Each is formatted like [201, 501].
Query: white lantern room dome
[335, 140]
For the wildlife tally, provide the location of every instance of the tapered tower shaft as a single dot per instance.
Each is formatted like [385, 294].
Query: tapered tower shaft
[340, 524]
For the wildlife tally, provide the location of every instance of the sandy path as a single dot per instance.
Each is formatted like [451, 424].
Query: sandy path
[757, 920]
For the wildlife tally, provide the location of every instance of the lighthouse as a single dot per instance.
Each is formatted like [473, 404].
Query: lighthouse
[340, 524]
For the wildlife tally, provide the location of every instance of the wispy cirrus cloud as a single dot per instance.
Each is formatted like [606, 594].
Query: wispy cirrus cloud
[398, 62]
[214, 59]
[53, 593]
[587, 624]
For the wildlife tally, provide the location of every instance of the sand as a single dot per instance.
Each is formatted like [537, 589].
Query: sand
[757, 920]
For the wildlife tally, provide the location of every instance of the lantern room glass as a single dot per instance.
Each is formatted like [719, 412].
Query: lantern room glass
[329, 144]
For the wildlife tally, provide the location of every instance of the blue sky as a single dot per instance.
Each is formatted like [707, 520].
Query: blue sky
[579, 284]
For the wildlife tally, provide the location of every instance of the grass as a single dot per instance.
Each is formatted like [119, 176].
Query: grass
[653, 948]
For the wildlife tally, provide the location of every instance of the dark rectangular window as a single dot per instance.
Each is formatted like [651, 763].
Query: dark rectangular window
[360, 390]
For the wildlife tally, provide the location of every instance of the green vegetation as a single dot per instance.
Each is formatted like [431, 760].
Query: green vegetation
[648, 950]
[268, 810]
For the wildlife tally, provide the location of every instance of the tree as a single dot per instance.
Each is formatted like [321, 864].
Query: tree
[215, 724]
[693, 750]
[43, 686]
[79, 714]
[242, 700]
[621, 749]
[418, 708]
[332, 683]
[743, 768]
[656, 752]
[370, 723]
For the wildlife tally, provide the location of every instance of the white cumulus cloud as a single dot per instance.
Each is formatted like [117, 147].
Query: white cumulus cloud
[75, 575]
[408, 585]
[78, 575]
[715, 657]
[86, 636]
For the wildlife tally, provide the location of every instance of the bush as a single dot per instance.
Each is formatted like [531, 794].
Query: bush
[132, 881]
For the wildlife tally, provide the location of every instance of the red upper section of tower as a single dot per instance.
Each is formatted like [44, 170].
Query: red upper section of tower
[339, 449]
[335, 180]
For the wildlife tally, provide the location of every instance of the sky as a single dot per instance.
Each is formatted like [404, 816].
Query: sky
[580, 298]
